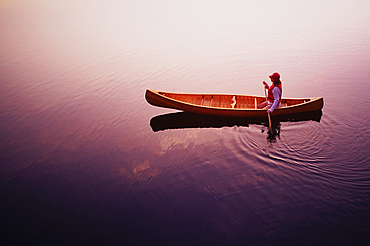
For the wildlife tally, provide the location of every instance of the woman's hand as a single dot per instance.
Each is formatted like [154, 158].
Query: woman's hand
[265, 84]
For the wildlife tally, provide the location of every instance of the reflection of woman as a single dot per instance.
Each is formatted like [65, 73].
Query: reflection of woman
[274, 93]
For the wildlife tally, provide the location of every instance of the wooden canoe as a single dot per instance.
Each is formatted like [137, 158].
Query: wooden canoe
[229, 105]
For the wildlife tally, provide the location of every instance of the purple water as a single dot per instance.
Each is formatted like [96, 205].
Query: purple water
[86, 160]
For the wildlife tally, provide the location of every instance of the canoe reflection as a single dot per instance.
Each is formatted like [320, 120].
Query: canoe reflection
[190, 120]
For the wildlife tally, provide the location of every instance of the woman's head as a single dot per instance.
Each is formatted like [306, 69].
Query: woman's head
[275, 78]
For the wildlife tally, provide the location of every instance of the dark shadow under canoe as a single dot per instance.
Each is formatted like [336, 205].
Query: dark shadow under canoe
[190, 120]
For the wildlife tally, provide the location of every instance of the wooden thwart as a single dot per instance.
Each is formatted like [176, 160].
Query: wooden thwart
[255, 103]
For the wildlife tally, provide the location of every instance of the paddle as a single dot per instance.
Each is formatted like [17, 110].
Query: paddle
[267, 109]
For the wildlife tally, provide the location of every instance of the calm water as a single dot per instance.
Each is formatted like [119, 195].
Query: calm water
[86, 160]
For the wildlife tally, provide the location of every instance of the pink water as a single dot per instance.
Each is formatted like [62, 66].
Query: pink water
[82, 164]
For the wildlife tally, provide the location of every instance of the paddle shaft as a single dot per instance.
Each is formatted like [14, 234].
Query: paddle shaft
[269, 121]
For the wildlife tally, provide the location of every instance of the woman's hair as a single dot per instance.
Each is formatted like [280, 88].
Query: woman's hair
[277, 82]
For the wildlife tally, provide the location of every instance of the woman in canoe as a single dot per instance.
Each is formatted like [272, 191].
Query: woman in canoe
[274, 93]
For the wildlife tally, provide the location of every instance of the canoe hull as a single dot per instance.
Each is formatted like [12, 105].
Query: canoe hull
[246, 105]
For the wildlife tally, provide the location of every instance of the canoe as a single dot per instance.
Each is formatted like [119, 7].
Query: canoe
[229, 105]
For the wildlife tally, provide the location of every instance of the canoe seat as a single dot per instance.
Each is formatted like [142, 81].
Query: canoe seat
[207, 100]
[284, 103]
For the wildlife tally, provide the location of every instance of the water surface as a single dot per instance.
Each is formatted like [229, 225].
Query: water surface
[86, 160]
